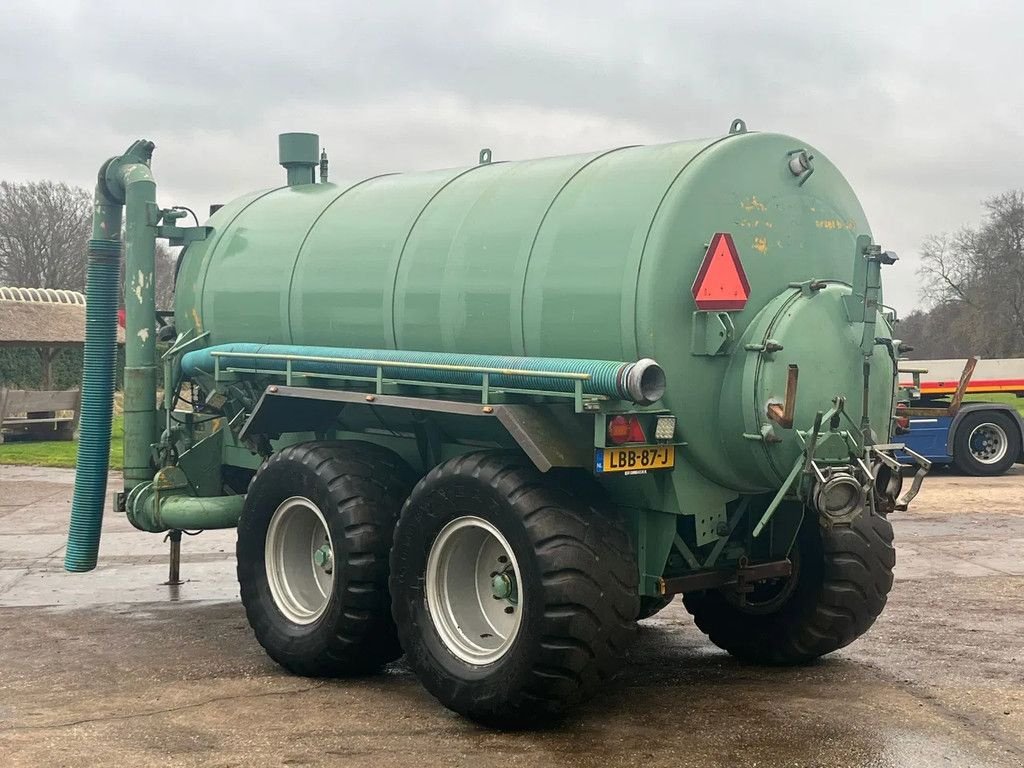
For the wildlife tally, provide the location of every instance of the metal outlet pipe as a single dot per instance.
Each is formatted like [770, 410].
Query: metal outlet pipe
[157, 512]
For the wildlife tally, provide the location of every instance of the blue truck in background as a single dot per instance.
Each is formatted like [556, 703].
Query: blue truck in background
[978, 438]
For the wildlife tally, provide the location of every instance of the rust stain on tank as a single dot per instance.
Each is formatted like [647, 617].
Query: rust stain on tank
[835, 224]
[753, 204]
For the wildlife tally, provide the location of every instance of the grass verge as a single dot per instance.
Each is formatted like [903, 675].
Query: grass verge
[60, 453]
[999, 397]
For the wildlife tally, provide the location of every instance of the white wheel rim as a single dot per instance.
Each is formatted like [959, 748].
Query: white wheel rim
[473, 590]
[299, 558]
[988, 443]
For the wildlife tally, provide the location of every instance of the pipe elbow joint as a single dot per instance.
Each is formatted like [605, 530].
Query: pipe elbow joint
[166, 504]
[142, 508]
[121, 171]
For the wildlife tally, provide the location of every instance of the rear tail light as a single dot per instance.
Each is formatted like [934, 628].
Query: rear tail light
[902, 419]
[625, 429]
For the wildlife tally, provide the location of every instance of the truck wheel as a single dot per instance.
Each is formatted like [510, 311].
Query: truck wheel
[841, 579]
[313, 544]
[650, 606]
[514, 599]
[986, 443]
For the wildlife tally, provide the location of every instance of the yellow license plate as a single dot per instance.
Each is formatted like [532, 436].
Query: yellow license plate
[636, 459]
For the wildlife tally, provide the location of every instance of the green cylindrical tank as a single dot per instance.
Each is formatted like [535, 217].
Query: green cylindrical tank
[586, 256]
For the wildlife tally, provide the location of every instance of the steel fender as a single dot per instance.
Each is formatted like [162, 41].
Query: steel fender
[551, 436]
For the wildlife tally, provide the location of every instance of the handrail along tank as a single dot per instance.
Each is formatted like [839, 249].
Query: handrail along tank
[777, 405]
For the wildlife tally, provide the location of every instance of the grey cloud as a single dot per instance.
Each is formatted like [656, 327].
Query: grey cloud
[918, 105]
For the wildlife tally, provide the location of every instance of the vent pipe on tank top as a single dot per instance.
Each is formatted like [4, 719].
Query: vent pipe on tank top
[299, 153]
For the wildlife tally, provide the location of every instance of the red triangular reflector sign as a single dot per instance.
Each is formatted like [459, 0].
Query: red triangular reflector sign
[721, 282]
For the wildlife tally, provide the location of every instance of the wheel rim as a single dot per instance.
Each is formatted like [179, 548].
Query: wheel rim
[473, 590]
[988, 443]
[299, 556]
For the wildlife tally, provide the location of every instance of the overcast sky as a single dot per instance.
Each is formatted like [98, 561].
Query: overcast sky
[919, 104]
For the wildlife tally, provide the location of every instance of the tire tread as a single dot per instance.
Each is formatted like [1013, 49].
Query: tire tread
[588, 585]
[366, 485]
[855, 579]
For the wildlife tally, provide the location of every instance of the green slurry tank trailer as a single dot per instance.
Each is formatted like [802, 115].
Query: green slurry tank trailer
[490, 417]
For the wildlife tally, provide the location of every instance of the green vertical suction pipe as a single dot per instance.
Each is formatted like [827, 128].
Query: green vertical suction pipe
[124, 181]
[140, 368]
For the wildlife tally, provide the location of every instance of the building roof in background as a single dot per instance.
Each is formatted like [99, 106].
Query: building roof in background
[44, 295]
[35, 317]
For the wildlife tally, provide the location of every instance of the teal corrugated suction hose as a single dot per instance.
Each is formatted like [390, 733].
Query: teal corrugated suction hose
[97, 405]
[642, 381]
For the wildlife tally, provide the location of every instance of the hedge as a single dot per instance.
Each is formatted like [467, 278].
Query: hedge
[22, 368]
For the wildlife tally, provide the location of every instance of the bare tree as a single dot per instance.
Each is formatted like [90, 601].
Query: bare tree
[999, 246]
[44, 230]
[166, 259]
[947, 268]
[973, 281]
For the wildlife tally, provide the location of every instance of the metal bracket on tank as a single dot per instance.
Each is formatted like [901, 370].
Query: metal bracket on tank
[712, 333]
[865, 300]
[809, 288]
[166, 226]
[179, 236]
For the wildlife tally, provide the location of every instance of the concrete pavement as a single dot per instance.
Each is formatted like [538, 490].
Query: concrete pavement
[115, 668]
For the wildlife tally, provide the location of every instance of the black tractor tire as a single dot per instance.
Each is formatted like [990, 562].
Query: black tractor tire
[360, 488]
[842, 579]
[578, 590]
[963, 456]
[651, 606]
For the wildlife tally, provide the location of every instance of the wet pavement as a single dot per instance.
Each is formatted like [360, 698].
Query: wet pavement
[115, 668]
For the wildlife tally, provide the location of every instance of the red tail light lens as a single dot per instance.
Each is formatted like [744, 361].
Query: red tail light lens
[902, 419]
[618, 430]
[625, 429]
